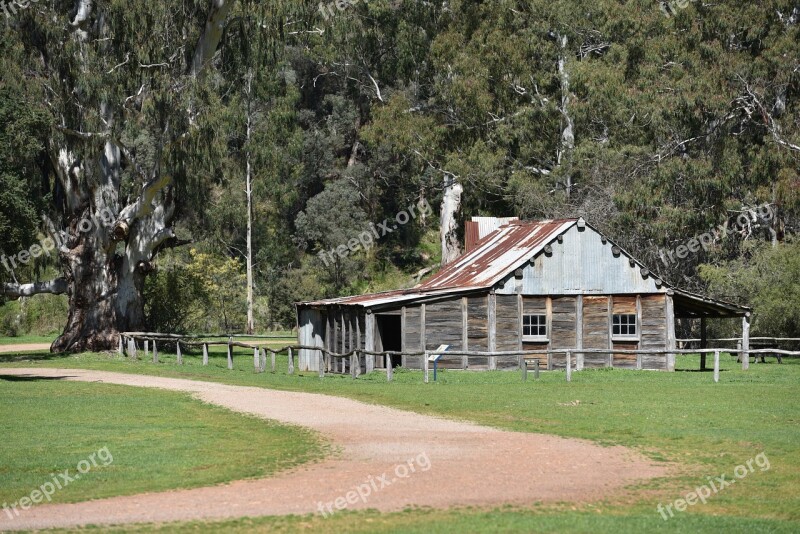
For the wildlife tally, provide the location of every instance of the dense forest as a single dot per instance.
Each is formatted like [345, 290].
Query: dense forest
[159, 159]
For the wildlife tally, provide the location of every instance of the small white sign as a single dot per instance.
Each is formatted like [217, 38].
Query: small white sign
[437, 353]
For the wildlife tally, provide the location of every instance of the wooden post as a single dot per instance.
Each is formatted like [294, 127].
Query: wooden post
[230, 356]
[746, 341]
[579, 332]
[321, 365]
[291, 362]
[703, 343]
[263, 363]
[523, 365]
[492, 314]
[369, 362]
[256, 360]
[638, 361]
[205, 353]
[272, 359]
[179, 353]
[389, 367]
[716, 366]
[132, 348]
[146, 348]
[536, 369]
[354, 365]
[670, 310]
[465, 331]
[569, 366]
[425, 365]
[120, 348]
[155, 352]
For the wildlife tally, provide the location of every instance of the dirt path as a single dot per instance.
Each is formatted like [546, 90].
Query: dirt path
[453, 463]
[26, 347]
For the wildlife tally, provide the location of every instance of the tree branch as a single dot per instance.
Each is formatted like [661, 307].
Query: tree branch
[212, 35]
[55, 287]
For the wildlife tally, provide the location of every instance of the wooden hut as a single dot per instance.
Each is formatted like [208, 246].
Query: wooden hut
[521, 285]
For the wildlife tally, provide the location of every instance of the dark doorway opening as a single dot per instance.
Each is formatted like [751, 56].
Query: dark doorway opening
[390, 334]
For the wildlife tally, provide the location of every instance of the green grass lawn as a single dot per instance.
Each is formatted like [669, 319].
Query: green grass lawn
[151, 439]
[703, 429]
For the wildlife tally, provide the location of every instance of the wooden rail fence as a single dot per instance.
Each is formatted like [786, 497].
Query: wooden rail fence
[351, 362]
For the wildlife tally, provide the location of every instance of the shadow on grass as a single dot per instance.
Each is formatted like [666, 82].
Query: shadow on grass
[30, 378]
[14, 357]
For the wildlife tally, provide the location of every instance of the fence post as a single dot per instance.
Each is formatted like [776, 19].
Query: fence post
[492, 363]
[354, 364]
[716, 366]
[523, 365]
[425, 365]
[579, 361]
[132, 347]
[291, 362]
[256, 360]
[230, 355]
[205, 353]
[272, 359]
[155, 352]
[369, 362]
[389, 367]
[639, 361]
[180, 355]
[146, 348]
[321, 364]
[569, 366]
[120, 348]
[535, 369]
[263, 363]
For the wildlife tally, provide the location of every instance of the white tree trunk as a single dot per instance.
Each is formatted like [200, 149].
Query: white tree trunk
[249, 192]
[567, 133]
[448, 227]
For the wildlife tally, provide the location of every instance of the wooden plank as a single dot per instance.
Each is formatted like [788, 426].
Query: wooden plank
[563, 321]
[595, 329]
[579, 331]
[492, 329]
[464, 331]
[478, 323]
[507, 320]
[745, 342]
[670, 322]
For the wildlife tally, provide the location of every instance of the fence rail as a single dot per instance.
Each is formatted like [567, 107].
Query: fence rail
[351, 362]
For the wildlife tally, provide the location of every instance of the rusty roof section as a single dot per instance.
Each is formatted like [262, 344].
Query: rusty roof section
[496, 254]
[480, 227]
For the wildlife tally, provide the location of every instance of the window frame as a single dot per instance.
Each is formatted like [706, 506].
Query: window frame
[541, 322]
[635, 336]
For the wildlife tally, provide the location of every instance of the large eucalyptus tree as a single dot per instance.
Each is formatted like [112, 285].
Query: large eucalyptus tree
[129, 86]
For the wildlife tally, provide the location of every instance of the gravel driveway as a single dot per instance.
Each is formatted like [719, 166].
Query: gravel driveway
[385, 459]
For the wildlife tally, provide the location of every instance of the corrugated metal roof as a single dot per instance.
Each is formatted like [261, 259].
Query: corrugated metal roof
[496, 254]
[480, 227]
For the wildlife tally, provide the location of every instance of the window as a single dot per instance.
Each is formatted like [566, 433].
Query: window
[624, 325]
[534, 326]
